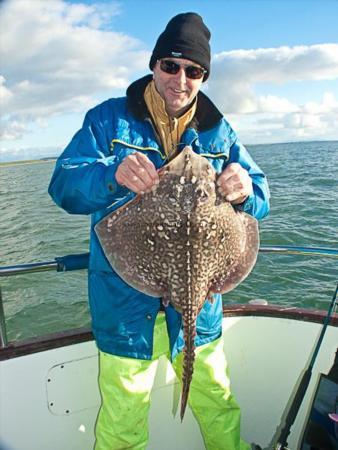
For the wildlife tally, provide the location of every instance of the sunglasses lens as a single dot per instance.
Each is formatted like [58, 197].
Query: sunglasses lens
[194, 72]
[169, 67]
[173, 68]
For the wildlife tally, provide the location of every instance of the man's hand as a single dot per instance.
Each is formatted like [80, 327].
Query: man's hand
[235, 183]
[137, 173]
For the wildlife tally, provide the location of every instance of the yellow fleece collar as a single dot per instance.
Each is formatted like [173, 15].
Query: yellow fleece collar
[170, 129]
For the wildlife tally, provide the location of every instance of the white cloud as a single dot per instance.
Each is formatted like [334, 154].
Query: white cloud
[12, 130]
[236, 73]
[5, 93]
[312, 121]
[329, 104]
[57, 56]
[237, 77]
[25, 153]
[271, 103]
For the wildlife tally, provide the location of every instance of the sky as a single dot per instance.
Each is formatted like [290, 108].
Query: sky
[274, 69]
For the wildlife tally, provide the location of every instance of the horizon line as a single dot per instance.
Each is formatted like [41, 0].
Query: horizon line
[54, 157]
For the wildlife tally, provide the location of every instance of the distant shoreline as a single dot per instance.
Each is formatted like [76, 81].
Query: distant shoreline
[248, 145]
[29, 161]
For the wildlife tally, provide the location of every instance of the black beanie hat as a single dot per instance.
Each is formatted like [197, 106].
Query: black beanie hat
[186, 36]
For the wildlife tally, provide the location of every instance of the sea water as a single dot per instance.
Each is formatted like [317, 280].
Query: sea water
[304, 211]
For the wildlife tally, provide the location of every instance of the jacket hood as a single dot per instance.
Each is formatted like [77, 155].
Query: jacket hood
[206, 117]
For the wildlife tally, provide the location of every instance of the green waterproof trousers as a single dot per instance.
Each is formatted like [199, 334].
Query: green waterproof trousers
[126, 383]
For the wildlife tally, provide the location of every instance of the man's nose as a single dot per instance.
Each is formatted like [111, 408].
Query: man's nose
[180, 76]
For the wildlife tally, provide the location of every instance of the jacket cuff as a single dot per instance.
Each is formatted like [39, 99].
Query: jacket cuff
[247, 205]
[112, 186]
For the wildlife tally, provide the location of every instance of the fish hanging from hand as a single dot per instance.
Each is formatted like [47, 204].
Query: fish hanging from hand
[182, 242]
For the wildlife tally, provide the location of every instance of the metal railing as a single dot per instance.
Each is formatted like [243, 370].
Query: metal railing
[80, 261]
[60, 264]
[297, 250]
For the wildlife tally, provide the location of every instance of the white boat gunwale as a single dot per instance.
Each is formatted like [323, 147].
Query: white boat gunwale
[73, 336]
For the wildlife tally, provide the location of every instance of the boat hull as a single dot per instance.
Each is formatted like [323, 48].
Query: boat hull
[50, 398]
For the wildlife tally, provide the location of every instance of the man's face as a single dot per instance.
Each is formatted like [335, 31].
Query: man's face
[177, 90]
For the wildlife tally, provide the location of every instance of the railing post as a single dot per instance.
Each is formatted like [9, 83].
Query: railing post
[3, 332]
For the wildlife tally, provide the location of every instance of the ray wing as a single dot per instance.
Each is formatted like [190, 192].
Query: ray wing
[239, 253]
[127, 239]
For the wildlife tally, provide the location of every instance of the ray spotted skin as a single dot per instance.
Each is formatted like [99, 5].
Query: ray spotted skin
[182, 242]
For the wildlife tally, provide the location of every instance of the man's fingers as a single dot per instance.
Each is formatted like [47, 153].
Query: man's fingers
[230, 188]
[137, 167]
[232, 171]
[236, 197]
[148, 166]
[235, 183]
[131, 181]
[234, 193]
[137, 173]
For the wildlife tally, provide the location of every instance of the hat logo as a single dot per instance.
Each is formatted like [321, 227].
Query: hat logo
[176, 54]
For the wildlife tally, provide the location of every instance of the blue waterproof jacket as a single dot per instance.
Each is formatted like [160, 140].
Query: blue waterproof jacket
[84, 183]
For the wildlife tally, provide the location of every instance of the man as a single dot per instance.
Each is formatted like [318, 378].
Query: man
[116, 154]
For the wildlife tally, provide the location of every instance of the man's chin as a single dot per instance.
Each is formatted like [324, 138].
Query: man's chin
[178, 107]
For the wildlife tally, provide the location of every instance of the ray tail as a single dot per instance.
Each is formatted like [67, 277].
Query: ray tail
[188, 362]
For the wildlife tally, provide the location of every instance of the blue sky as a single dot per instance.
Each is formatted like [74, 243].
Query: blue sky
[238, 24]
[274, 65]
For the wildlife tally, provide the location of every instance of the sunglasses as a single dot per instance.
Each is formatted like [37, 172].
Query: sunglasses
[171, 67]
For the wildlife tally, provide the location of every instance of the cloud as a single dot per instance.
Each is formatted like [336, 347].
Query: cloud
[25, 153]
[236, 73]
[57, 56]
[12, 129]
[312, 121]
[237, 77]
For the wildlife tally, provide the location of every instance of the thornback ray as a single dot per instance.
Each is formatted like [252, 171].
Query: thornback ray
[182, 242]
